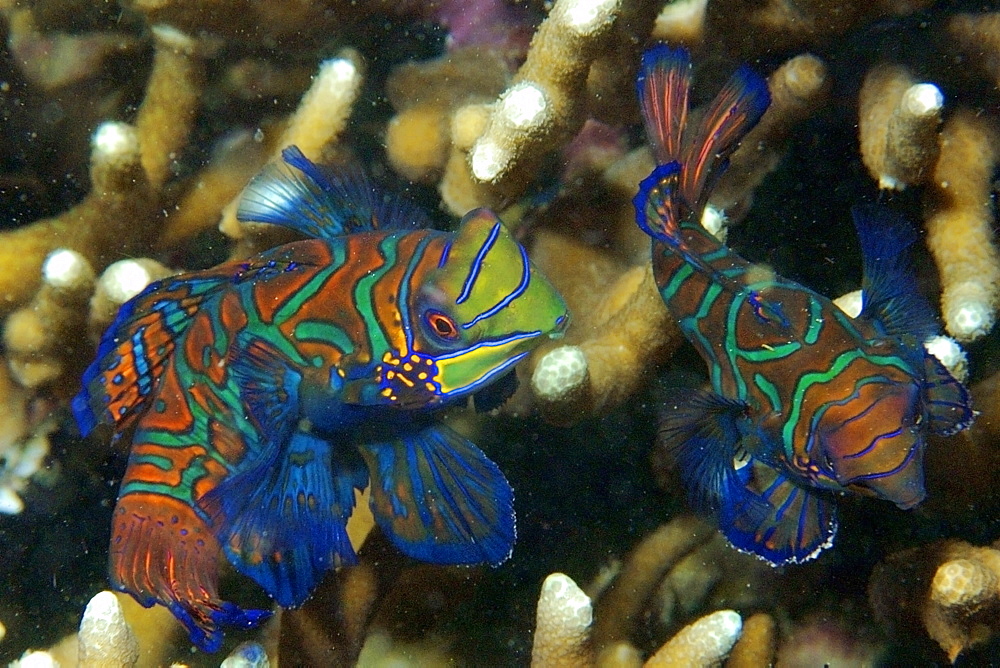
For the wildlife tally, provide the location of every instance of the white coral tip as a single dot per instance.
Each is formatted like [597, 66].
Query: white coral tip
[105, 637]
[559, 373]
[586, 16]
[922, 99]
[64, 268]
[125, 279]
[950, 354]
[114, 138]
[524, 106]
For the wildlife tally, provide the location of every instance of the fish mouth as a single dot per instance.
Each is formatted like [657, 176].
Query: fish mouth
[561, 325]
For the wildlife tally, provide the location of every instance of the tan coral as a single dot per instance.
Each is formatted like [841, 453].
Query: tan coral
[315, 126]
[425, 95]
[43, 338]
[798, 88]
[543, 107]
[703, 643]
[618, 610]
[102, 226]
[898, 121]
[562, 625]
[949, 590]
[960, 224]
[757, 644]
[621, 339]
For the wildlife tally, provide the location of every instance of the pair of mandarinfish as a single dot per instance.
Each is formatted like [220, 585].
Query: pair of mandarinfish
[260, 396]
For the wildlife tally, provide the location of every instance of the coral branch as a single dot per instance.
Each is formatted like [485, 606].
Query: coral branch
[960, 225]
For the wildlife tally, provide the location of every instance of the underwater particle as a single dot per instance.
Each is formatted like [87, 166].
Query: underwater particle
[562, 625]
[705, 642]
[247, 655]
[105, 639]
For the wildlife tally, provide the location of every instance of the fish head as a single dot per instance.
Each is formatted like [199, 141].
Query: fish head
[872, 442]
[482, 308]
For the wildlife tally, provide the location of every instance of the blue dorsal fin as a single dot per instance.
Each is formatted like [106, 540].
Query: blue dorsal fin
[890, 300]
[946, 400]
[797, 523]
[283, 522]
[322, 201]
[701, 430]
[440, 499]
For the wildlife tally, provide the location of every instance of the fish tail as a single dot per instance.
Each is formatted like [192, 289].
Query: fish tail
[688, 164]
[162, 552]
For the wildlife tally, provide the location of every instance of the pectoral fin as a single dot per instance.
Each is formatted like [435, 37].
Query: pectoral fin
[440, 499]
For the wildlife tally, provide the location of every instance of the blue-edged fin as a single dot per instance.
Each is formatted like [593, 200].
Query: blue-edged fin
[440, 499]
[134, 349]
[322, 201]
[797, 523]
[659, 208]
[946, 400]
[701, 431]
[284, 522]
[282, 516]
[890, 299]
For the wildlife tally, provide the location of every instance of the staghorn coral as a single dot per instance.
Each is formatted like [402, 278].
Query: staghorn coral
[705, 642]
[960, 225]
[562, 625]
[105, 638]
[898, 126]
[542, 107]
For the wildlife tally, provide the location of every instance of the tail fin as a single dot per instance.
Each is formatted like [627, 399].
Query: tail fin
[689, 165]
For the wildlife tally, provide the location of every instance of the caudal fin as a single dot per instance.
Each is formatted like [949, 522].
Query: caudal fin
[689, 160]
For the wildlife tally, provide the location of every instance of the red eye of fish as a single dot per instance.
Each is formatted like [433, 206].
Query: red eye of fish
[441, 325]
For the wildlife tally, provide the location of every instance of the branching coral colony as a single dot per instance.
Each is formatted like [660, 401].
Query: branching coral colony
[529, 107]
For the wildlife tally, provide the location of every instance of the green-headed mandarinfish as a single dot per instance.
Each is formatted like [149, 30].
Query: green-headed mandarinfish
[260, 395]
[806, 402]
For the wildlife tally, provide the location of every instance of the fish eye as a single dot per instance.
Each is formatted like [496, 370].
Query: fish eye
[442, 326]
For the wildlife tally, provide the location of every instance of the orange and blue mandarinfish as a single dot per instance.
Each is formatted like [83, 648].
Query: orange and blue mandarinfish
[806, 402]
[261, 394]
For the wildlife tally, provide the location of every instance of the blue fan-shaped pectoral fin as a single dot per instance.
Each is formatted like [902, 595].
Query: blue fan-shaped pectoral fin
[440, 499]
[946, 400]
[284, 522]
[784, 522]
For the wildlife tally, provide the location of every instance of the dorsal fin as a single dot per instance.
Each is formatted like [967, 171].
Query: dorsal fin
[890, 300]
[322, 201]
